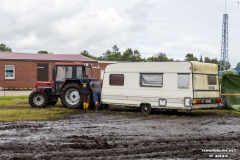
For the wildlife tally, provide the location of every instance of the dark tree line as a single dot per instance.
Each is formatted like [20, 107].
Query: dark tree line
[135, 56]
[132, 56]
[115, 55]
[190, 57]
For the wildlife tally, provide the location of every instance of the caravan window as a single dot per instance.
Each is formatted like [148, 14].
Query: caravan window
[116, 79]
[212, 80]
[183, 80]
[151, 79]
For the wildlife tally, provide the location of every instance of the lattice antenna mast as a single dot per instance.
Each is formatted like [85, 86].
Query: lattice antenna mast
[224, 45]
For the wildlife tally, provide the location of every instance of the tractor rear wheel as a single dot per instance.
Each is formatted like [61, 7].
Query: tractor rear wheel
[37, 98]
[71, 95]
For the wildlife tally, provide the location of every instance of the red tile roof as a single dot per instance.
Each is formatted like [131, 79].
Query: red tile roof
[45, 57]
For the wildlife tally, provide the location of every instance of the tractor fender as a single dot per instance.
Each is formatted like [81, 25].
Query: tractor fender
[70, 81]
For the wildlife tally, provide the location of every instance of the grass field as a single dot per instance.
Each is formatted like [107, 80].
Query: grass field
[17, 108]
[14, 101]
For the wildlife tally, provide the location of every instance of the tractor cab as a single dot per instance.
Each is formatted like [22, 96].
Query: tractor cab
[67, 79]
[65, 73]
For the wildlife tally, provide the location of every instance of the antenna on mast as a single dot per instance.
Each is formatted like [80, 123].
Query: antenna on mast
[225, 6]
[224, 45]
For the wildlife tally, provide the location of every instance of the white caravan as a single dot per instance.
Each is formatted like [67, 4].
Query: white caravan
[162, 85]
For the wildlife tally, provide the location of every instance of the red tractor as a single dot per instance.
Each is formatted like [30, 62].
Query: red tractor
[69, 82]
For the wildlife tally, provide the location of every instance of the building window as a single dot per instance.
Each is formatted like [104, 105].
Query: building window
[212, 80]
[116, 80]
[151, 79]
[9, 72]
[183, 80]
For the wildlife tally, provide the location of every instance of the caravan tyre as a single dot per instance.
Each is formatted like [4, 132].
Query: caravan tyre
[146, 108]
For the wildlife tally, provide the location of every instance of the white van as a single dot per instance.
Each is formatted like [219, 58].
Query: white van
[162, 85]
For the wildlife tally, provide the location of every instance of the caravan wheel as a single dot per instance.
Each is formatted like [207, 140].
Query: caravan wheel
[146, 108]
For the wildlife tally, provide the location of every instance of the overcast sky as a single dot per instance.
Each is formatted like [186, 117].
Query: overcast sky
[175, 27]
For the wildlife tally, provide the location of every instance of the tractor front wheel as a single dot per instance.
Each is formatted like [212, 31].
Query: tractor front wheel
[37, 99]
[71, 95]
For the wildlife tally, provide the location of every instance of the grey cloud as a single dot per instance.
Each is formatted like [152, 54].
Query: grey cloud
[173, 26]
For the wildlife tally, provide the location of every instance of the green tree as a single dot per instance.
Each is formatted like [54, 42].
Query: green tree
[160, 57]
[131, 56]
[113, 55]
[115, 49]
[190, 57]
[201, 59]
[4, 48]
[214, 60]
[117, 56]
[136, 56]
[107, 55]
[86, 54]
[208, 60]
[42, 52]
[127, 55]
[228, 65]
[238, 65]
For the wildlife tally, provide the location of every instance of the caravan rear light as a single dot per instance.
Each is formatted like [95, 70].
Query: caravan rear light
[219, 100]
[195, 101]
[207, 101]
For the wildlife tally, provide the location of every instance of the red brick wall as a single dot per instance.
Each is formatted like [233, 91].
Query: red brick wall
[25, 74]
[97, 67]
[96, 73]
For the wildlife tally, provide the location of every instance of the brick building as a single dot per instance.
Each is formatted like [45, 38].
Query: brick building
[22, 70]
[99, 67]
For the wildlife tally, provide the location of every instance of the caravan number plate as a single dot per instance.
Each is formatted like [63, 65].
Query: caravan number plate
[208, 101]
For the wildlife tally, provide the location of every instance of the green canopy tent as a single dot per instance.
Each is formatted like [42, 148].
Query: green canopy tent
[230, 85]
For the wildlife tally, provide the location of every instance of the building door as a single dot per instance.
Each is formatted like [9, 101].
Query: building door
[42, 72]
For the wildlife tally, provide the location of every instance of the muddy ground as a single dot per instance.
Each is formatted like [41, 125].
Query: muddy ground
[128, 134]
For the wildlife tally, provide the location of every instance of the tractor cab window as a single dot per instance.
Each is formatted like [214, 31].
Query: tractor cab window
[63, 72]
[79, 72]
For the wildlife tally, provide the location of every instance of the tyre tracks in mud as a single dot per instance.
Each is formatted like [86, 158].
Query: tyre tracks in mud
[10, 126]
[105, 135]
[101, 148]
